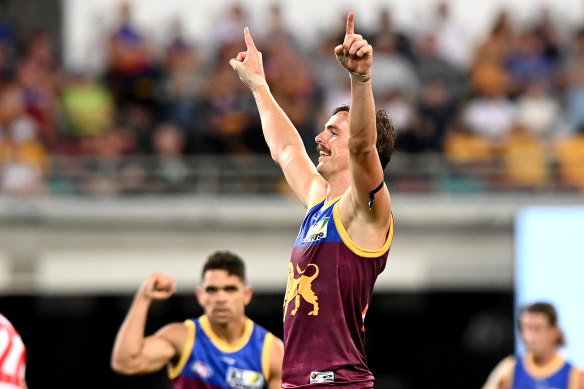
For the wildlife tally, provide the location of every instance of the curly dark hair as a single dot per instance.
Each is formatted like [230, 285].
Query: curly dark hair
[386, 133]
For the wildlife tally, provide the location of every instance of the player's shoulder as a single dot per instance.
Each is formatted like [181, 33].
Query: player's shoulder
[260, 332]
[510, 359]
[178, 333]
[4, 321]
[508, 363]
[502, 374]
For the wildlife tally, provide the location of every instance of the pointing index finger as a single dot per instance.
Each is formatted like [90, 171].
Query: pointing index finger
[351, 23]
[248, 39]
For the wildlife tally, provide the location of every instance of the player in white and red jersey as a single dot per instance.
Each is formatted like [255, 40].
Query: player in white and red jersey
[12, 357]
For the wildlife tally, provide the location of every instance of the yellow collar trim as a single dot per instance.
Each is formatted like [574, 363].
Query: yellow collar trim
[220, 343]
[543, 371]
[316, 203]
[327, 204]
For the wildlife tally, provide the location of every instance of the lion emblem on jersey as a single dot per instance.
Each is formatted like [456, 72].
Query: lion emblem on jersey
[300, 287]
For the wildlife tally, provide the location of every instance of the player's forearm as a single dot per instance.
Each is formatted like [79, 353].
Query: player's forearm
[279, 132]
[362, 127]
[130, 338]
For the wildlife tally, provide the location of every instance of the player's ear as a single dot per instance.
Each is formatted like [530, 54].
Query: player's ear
[247, 294]
[199, 294]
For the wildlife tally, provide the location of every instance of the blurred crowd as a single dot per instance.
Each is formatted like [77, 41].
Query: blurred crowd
[511, 102]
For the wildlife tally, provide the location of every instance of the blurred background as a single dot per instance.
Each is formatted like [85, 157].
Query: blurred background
[128, 146]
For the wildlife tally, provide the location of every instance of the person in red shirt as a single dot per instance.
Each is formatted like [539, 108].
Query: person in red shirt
[12, 357]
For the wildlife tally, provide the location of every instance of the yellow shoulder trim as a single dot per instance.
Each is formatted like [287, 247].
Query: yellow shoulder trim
[574, 380]
[266, 353]
[546, 371]
[174, 371]
[315, 203]
[327, 204]
[352, 245]
[220, 343]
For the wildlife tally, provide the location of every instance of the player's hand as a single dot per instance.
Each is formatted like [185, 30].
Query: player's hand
[355, 54]
[158, 287]
[248, 64]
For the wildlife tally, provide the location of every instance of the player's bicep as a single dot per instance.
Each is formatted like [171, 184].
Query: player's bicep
[306, 183]
[156, 354]
[368, 190]
[157, 350]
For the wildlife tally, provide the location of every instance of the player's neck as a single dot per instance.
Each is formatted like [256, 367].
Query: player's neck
[230, 333]
[337, 186]
[543, 359]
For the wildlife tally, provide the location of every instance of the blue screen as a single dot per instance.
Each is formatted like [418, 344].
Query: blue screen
[550, 267]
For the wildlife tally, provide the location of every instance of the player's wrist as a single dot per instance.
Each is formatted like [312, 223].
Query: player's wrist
[254, 81]
[251, 80]
[356, 77]
[360, 79]
[257, 88]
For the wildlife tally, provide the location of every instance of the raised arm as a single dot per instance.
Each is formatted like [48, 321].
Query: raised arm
[356, 55]
[133, 353]
[285, 144]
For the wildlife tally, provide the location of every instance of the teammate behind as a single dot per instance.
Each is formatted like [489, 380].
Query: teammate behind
[221, 349]
[541, 366]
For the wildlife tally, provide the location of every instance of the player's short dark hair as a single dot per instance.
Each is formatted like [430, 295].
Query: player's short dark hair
[225, 260]
[549, 311]
[386, 133]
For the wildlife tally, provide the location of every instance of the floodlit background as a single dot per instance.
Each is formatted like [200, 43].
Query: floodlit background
[128, 146]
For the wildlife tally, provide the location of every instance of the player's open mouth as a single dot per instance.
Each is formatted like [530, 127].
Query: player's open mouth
[322, 153]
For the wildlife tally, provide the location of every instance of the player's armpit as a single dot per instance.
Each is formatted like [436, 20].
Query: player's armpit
[276, 356]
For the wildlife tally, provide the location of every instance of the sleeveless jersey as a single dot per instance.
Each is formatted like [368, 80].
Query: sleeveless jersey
[12, 356]
[559, 374]
[330, 283]
[209, 363]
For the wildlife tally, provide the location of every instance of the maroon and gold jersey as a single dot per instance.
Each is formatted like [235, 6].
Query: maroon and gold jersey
[330, 283]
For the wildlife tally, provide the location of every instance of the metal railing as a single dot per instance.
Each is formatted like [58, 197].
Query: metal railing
[258, 174]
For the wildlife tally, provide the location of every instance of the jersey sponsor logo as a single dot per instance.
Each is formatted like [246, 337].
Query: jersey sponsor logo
[300, 287]
[317, 231]
[317, 377]
[201, 369]
[244, 379]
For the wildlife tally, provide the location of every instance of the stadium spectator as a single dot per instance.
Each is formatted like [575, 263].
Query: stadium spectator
[23, 159]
